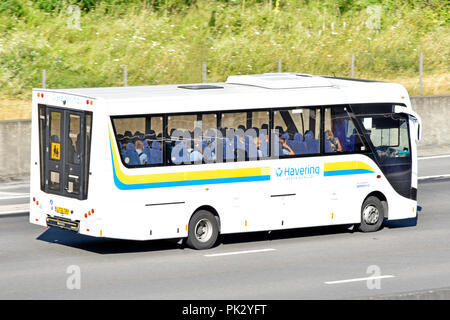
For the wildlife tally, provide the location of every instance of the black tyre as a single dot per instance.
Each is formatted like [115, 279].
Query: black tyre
[372, 215]
[203, 230]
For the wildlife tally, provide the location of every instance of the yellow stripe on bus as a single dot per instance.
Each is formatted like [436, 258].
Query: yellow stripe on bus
[347, 165]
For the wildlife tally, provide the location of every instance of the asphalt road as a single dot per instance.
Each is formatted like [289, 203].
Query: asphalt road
[313, 263]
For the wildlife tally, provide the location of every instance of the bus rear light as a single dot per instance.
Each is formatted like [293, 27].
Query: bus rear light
[37, 220]
[87, 230]
[37, 203]
[85, 215]
[92, 210]
[34, 199]
[89, 213]
[378, 176]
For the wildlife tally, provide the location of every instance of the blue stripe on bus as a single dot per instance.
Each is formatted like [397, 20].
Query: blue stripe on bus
[346, 172]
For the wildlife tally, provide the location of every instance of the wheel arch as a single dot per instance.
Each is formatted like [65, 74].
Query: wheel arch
[210, 209]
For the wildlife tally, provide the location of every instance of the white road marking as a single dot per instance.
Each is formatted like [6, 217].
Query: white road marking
[3, 192]
[436, 176]
[16, 197]
[359, 279]
[434, 157]
[237, 252]
[13, 195]
[14, 208]
[15, 186]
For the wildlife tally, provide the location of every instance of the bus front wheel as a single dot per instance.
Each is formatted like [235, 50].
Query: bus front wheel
[372, 215]
[203, 230]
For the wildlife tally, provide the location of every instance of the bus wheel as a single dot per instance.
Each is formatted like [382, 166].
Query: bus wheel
[372, 215]
[203, 230]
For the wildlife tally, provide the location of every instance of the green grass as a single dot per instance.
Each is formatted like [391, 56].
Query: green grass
[166, 41]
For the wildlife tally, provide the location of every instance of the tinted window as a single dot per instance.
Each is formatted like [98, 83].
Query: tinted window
[140, 139]
[388, 134]
[298, 131]
[340, 134]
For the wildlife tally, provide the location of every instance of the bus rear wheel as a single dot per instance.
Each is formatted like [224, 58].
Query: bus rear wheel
[372, 215]
[203, 230]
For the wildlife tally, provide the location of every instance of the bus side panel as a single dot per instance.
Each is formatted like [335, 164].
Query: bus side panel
[285, 201]
[401, 207]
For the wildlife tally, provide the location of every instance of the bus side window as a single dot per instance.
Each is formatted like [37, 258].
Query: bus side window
[234, 125]
[298, 129]
[139, 143]
[179, 143]
[340, 134]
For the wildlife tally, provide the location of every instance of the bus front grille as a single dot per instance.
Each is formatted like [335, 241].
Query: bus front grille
[63, 223]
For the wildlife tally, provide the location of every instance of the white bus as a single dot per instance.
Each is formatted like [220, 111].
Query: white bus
[258, 152]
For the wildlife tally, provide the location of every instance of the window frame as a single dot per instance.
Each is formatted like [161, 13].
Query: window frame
[219, 113]
[355, 122]
[376, 106]
[146, 116]
[306, 155]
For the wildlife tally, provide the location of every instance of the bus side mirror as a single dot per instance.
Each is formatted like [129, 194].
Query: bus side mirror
[413, 117]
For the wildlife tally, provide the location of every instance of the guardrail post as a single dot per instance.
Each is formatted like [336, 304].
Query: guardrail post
[420, 73]
[125, 76]
[204, 71]
[44, 79]
[352, 67]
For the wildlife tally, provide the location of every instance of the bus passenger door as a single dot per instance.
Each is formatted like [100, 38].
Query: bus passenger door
[74, 152]
[54, 158]
[65, 160]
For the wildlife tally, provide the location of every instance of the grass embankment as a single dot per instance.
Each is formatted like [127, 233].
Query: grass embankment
[166, 41]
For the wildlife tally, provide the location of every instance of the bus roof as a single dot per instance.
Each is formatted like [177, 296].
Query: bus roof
[263, 90]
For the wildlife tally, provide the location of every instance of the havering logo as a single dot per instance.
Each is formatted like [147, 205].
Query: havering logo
[298, 172]
[279, 172]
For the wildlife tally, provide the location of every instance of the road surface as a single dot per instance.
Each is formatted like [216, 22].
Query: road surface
[403, 260]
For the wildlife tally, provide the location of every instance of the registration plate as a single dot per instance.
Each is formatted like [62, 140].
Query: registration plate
[62, 210]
